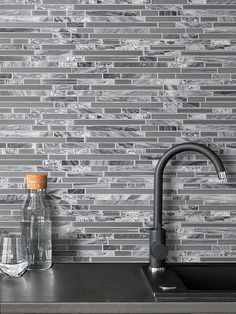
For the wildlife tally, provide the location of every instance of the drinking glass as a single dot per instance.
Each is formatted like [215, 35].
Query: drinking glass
[13, 255]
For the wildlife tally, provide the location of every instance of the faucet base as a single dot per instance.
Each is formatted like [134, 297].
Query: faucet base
[154, 269]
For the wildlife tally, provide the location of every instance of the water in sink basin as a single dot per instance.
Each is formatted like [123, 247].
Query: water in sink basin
[208, 276]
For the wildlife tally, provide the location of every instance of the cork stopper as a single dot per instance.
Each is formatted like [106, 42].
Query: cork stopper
[36, 181]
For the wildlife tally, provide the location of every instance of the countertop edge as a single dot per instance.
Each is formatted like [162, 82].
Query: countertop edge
[119, 308]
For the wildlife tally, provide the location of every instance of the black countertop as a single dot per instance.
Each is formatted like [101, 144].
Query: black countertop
[78, 283]
[92, 288]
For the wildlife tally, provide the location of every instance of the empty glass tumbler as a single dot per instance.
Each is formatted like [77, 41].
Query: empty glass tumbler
[13, 254]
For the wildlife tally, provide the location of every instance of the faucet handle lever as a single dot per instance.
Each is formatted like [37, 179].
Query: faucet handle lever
[158, 247]
[159, 250]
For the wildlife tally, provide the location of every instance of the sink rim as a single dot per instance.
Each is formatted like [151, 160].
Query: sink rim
[182, 293]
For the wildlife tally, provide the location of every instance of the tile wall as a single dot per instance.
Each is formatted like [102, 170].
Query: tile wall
[94, 92]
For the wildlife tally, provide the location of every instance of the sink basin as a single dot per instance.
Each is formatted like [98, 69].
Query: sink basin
[212, 277]
[193, 282]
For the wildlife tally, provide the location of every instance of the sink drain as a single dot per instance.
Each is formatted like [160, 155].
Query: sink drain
[167, 288]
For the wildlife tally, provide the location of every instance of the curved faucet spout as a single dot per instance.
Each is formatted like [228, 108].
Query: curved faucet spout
[157, 234]
[158, 180]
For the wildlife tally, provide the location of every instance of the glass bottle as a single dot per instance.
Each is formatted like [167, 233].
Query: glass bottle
[36, 222]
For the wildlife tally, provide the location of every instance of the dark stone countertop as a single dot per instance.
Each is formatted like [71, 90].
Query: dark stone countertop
[92, 288]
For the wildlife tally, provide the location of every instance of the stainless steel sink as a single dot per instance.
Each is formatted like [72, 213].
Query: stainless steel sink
[193, 282]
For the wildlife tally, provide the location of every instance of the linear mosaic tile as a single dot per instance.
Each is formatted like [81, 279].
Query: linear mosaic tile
[93, 93]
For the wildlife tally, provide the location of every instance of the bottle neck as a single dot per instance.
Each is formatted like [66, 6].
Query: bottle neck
[36, 191]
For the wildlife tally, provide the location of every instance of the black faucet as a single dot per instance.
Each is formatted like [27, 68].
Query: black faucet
[158, 248]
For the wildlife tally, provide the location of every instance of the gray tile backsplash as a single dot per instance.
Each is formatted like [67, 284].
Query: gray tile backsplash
[94, 92]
